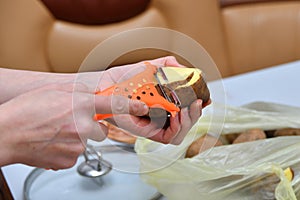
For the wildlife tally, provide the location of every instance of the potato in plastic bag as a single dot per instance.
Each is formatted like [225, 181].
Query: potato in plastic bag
[252, 170]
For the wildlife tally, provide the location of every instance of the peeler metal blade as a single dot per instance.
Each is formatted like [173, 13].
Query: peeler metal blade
[172, 97]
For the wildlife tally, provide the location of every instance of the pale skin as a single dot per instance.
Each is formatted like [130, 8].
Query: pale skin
[46, 118]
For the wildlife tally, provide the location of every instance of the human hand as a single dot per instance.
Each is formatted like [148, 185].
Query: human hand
[179, 125]
[173, 134]
[48, 127]
[121, 73]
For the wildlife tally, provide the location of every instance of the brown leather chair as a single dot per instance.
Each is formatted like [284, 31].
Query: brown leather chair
[260, 33]
[32, 38]
[240, 35]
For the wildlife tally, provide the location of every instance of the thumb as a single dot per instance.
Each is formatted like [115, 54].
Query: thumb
[119, 105]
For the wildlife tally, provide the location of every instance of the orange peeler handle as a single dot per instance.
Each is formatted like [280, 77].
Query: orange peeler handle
[127, 88]
[140, 87]
[98, 117]
[107, 92]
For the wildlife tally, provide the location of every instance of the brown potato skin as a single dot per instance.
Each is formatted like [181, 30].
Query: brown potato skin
[231, 137]
[201, 144]
[188, 95]
[287, 132]
[250, 135]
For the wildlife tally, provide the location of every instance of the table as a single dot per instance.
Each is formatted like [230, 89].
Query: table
[5, 193]
[279, 84]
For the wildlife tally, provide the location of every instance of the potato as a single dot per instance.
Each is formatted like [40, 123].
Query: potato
[201, 144]
[250, 135]
[270, 133]
[188, 85]
[287, 132]
[181, 85]
[231, 137]
[192, 87]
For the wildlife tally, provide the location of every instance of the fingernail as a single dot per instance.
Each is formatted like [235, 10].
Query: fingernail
[146, 109]
[199, 102]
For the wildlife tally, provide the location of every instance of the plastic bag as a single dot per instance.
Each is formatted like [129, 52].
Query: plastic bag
[252, 170]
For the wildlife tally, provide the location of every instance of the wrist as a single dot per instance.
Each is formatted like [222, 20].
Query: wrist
[16, 82]
[92, 80]
[6, 141]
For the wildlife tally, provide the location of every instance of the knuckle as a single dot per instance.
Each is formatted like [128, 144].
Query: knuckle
[119, 105]
[135, 106]
[76, 150]
[166, 140]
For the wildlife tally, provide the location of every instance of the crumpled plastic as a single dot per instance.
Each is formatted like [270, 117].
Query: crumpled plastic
[246, 171]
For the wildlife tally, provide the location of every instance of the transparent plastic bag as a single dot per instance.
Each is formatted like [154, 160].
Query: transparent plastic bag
[252, 170]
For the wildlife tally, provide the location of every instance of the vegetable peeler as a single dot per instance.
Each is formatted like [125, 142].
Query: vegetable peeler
[145, 86]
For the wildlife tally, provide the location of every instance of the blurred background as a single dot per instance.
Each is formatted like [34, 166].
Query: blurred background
[239, 35]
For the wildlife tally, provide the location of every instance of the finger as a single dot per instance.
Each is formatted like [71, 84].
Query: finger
[166, 136]
[186, 124]
[185, 120]
[178, 138]
[147, 129]
[130, 123]
[195, 110]
[62, 155]
[90, 129]
[100, 132]
[119, 105]
[138, 126]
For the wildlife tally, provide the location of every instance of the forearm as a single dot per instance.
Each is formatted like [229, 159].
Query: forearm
[16, 82]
